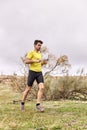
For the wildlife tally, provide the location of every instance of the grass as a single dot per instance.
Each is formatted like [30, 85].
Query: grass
[58, 115]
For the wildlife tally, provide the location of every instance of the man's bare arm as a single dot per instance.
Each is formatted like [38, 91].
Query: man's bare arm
[29, 61]
[44, 62]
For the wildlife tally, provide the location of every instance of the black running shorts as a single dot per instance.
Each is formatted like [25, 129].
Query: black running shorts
[38, 76]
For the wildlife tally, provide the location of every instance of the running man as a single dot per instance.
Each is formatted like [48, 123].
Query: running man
[34, 59]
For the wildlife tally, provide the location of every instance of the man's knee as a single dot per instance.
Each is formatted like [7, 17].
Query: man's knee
[41, 86]
[28, 89]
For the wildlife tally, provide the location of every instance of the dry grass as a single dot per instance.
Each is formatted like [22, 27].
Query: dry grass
[58, 115]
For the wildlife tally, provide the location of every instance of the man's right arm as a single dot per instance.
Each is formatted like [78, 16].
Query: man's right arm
[30, 61]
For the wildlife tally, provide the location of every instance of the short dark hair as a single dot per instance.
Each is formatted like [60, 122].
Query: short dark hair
[36, 42]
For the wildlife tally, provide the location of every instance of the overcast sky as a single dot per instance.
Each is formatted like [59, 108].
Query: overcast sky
[61, 24]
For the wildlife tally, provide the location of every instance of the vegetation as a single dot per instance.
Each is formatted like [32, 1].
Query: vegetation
[66, 87]
[56, 88]
[58, 115]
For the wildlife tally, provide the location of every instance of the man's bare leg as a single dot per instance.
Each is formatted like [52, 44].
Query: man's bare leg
[25, 93]
[39, 96]
[40, 92]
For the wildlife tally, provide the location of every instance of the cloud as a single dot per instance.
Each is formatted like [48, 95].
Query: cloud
[61, 24]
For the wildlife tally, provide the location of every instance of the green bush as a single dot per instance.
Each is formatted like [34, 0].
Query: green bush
[66, 87]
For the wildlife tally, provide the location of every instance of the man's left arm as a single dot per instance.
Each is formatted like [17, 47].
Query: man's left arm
[44, 62]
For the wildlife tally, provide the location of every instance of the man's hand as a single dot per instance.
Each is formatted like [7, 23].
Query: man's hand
[44, 62]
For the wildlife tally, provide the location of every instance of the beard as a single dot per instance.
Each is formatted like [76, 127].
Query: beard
[38, 49]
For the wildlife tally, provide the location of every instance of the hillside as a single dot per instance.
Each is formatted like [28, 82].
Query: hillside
[58, 115]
